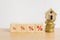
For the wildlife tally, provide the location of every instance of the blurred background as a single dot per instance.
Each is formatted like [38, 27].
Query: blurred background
[27, 11]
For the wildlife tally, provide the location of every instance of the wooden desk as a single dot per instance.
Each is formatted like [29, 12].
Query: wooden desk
[6, 35]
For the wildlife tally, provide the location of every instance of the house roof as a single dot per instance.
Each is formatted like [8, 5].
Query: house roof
[51, 11]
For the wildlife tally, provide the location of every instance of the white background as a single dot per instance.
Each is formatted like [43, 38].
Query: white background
[27, 11]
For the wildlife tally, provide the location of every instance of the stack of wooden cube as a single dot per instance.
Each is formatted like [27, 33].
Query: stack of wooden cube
[26, 27]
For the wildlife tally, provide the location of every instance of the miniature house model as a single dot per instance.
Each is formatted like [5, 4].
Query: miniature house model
[50, 15]
[50, 18]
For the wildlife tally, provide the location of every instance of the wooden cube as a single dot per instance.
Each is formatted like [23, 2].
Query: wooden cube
[38, 27]
[30, 28]
[22, 27]
[13, 27]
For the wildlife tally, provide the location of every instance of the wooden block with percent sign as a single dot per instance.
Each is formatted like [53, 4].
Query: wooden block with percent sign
[30, 27]
[25, 27]
[22, 27]
[38, 27]
[13, 27]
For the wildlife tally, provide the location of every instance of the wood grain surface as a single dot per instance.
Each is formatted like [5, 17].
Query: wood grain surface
[6, 35]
